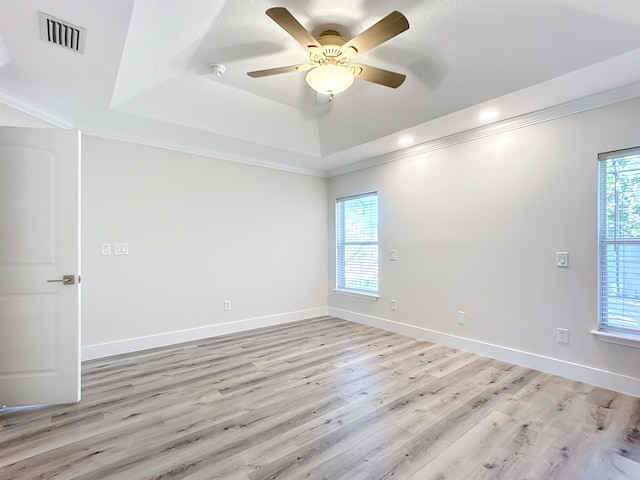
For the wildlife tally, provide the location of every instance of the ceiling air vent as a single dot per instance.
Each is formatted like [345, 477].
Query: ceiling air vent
[59, 32]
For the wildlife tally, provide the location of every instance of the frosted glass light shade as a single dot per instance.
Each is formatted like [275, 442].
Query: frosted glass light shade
[330, 79]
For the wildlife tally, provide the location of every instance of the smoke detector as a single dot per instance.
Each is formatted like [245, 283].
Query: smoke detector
[217, 70]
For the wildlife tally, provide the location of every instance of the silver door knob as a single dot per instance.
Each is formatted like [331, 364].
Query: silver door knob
[65, 280]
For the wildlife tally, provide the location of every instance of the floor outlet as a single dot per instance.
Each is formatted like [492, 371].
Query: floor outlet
[563, 335]
[227, 305]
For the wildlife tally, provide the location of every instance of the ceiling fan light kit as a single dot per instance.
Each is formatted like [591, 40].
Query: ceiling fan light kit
[330, 71]
[330, 79]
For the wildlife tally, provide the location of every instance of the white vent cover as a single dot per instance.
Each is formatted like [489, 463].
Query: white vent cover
[59, 32]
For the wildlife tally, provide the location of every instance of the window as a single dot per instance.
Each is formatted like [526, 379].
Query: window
[619, 225]
[357, 243]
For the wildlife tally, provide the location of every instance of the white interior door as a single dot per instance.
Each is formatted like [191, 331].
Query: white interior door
[39, 243]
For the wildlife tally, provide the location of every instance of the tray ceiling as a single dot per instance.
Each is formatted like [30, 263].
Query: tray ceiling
[144, 74]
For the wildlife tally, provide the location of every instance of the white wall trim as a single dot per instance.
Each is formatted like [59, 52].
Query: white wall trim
[574, 371]
[129, 345]
[590, 102]
[627, 340]
[26, 106]
[204, 152]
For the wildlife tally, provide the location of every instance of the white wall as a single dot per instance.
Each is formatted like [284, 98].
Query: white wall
[476, 227]
[200, 231]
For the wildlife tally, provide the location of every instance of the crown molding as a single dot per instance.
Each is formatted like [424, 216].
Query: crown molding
[204, 152]
[26, 106]
[590, 102]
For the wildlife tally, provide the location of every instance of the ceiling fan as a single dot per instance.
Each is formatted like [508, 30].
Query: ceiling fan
[329, 69]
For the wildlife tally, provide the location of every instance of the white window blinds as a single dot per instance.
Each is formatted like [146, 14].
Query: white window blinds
[357, 243]
[619, 226]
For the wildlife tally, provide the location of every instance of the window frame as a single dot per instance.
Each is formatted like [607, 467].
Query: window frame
[606, 331]
[341, 243]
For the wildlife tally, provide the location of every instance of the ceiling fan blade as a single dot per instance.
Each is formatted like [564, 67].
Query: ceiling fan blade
[288, 22]
[377, 75]
[387, 28]
[277, 71]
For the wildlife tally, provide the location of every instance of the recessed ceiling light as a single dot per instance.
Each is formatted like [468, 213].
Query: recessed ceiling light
[405, 141]
[488, 114]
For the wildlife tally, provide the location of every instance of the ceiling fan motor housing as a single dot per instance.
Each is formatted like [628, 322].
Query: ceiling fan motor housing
[329, 70]
[332, 51]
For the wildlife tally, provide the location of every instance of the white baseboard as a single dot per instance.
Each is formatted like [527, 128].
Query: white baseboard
[573, 371]
[100, 350]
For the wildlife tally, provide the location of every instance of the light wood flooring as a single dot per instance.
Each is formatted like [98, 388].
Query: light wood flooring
[323, 399]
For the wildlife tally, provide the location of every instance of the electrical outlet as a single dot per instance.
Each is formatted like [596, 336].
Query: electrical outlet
[394, 305]
[227, 305]
[563, 335]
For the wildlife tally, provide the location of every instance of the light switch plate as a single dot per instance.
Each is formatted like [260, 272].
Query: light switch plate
[393, 255]
[121, 248]
[105, 248]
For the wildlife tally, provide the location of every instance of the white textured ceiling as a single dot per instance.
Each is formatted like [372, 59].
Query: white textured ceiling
[144, 74]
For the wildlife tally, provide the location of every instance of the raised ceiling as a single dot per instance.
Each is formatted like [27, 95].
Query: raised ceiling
[144, 74]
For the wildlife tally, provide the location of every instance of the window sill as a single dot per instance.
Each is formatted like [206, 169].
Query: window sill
[617, 338]
[353, 293]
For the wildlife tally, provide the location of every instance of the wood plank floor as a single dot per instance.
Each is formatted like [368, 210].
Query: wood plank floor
[323, 399]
